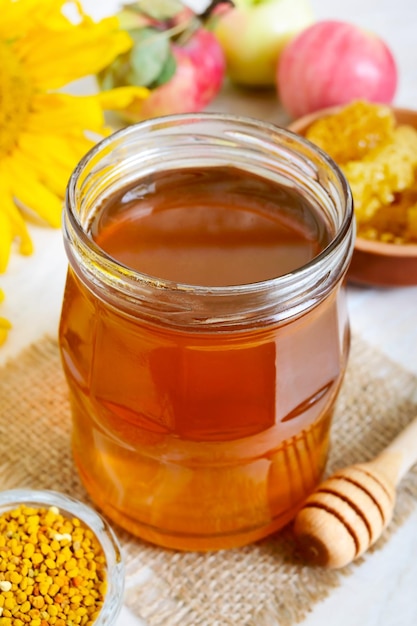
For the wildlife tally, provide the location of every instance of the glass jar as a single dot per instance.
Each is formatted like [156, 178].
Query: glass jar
[71, 508]
[201, 414]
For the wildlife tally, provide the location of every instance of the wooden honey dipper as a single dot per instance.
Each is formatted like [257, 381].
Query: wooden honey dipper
[349, 511]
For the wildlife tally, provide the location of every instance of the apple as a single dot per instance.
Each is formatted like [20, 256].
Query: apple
[178, 95]
[253, 34]
[209, 63]
[198, 77]
[172, 54]
[332, 63]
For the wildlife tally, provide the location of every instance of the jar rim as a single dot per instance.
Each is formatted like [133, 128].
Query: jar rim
[224, 290]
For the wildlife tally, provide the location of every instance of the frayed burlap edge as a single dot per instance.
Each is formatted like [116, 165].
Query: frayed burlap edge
[264, 584]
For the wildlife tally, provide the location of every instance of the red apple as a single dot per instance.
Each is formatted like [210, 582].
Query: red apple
[333, 63]
[208, 59]
[198, 77]
[179, 61]
[178, 95]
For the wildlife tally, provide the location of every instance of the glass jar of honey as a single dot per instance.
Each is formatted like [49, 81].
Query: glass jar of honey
[204, 332]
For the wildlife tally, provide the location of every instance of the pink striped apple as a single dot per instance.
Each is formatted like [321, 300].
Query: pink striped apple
[331, 63]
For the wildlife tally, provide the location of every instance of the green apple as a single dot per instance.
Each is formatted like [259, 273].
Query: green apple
[253, 33]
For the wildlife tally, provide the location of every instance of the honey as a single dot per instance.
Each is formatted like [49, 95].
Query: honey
[201, 399]
[213, 227]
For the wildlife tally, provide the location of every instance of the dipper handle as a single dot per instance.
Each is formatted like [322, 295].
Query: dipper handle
[349, 511]
[401, 454]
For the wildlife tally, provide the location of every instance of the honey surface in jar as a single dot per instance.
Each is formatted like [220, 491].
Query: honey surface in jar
[200, 438]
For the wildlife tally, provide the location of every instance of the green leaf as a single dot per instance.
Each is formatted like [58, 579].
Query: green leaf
[168, 71]
[106, 80]
[148, 55]
[115, 75]
[132, 19]
[157, 9]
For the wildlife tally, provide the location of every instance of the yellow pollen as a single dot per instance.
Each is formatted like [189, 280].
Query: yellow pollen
[15, 97]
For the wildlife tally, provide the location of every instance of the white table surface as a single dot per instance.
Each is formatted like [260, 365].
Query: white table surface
[382, 591]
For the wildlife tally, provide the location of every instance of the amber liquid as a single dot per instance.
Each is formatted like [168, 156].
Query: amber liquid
[202, 440]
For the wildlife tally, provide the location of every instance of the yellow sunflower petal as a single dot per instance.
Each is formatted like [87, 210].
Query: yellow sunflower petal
[121, 97]
[54, 140]
[12, 225]
[53, 157]
[6, 239]
[19, 17]
[32, 193]
[5, 326]
[51, 12]
[50, 173]
[83, 50]
[13, 20]
[57, 112]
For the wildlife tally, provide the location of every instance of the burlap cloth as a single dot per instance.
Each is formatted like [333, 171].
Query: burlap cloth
[259, 585]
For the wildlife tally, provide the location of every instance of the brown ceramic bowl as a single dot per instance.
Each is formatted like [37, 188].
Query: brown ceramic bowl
[374, 262]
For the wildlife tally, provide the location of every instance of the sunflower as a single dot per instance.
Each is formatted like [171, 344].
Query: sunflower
[43, 131]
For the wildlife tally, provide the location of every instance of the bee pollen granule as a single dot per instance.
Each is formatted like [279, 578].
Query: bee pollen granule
[52, 569]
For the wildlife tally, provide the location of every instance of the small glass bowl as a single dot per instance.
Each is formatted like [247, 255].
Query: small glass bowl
[70, 507]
